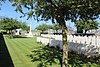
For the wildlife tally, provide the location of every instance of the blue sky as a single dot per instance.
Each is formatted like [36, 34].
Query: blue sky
[8, 11]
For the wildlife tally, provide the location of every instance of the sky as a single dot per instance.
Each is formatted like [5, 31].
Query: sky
[7, 10]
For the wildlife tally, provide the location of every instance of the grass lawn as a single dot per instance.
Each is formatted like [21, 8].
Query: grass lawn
[21, 50]
[26, 52]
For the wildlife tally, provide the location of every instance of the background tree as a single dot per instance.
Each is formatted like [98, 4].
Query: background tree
[79, 26]
[43, 27]
[56, 27]
[9, 24]
[60, 11]
[24, 26]
[86, 25]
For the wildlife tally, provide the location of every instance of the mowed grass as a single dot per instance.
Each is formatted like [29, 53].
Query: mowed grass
[22, 49]
[19, 49]
[26, 52]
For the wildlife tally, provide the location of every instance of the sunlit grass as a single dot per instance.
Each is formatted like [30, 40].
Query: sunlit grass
[26, 52]
[19, 48]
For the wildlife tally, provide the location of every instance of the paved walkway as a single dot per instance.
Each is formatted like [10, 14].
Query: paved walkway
[5, 59]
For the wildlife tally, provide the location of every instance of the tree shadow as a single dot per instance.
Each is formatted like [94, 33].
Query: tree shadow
[47, 56]
[19, 36]
[81, 60]
[81, 54]
[15, 36]
[5, 58]
[50, 55]
[86, 49]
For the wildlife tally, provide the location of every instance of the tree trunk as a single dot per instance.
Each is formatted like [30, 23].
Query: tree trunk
[65, 47]
[61, 22]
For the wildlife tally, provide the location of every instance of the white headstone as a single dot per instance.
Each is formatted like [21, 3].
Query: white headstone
[17, 33]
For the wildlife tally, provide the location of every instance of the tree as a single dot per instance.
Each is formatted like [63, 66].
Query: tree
[86, 25]
[24, 26]
[60, 11]
[9, 24]
[56, 27]
[79, 26]
[43, 27]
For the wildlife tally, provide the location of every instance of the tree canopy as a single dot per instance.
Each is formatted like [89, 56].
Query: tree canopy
[9, 24]
[43, 27]
[54, 9]
[24, 26]
[56, 27]
[86, 25]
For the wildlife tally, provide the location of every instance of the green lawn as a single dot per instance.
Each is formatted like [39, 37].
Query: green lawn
[19, 48]
[21, 51]
[26, 52]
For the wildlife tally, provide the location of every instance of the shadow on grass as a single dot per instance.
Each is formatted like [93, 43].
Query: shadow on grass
[50, 55]
[15, 36]
[80, 60]
[85, 59]
[47, 56]
[19, 36]
[5, 58]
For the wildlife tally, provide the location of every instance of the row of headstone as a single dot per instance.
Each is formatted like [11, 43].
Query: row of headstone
[77, 47]
[50, 42]
[57, 37]
[91, 40]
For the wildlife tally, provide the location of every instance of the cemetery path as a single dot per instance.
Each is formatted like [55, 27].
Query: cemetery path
[5, 58]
